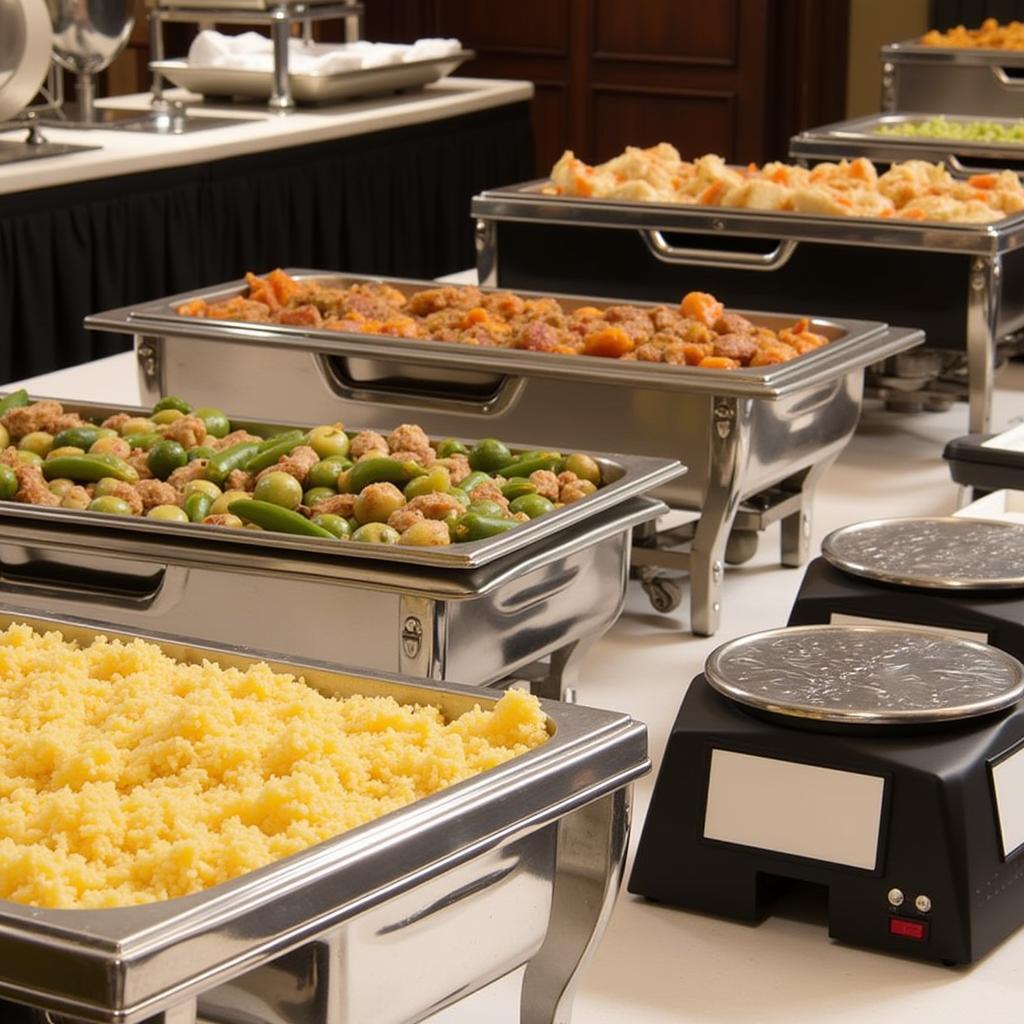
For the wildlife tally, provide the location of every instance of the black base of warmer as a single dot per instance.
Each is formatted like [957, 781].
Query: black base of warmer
[939, 833]
[996, 615]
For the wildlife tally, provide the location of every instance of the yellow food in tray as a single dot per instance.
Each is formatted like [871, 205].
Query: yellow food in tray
[990, 35]
[913, 190]
[128, 777]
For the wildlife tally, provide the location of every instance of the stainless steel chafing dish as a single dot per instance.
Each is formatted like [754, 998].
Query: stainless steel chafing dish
[445, 895]
[475, 616]
[963, 284]
[952, 80]
[859, 136]
[766, 434]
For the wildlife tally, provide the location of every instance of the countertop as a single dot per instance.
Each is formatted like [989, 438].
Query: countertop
[658, 965]
[258, 130]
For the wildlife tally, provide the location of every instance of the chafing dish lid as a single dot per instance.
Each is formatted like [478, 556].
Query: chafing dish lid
[866, 675]
[933, 552]
[25, 39]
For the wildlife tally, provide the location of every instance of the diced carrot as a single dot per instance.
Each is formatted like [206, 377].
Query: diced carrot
[565, 350]
[612, 342]
[711, 193]
[701, 306]
[751, 168]
[587, 311]
[912, 214]
[982, 181]
[283, 286]
[718, 363]
[780, 175]
[477, 315]
[583, 187]
[197, 307]
[801, 325]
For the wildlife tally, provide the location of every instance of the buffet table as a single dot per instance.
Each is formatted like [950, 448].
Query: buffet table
[380, 185]
[658, 965]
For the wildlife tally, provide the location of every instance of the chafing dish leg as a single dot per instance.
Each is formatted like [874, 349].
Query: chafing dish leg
[795, 529]
[560, 681]
[588, 871]
[982, 290]
[281, 90]
[730, 441]
[486, 241]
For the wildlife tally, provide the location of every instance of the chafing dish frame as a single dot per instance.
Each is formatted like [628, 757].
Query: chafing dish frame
[731, 408]
[160, 962]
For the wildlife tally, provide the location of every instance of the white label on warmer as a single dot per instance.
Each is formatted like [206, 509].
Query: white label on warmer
[1008, 785]
[800, 809]
[1011, 440]
[838, 619]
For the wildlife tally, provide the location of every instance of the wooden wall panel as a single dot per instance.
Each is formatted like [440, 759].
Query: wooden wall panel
[538, 27]
[679, 33]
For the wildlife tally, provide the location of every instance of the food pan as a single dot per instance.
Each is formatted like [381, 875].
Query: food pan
[963, 284]
[447, 894]
[952, 80]
[766, 433]
[859, 137]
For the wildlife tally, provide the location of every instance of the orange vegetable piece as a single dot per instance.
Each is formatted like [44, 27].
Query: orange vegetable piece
[719, 363]
[283, 286]
[197, 307]
[982, 181]
[701, 306]
[583, 187]
[612, 342]
[712, 192]
[477, 315]
[588, 311]
[260, 291]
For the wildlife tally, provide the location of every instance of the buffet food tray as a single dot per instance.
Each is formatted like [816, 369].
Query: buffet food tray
[448, 893]
[743, 432]
[952, 80]
[307, 88]
[963, 284]
[859, 137]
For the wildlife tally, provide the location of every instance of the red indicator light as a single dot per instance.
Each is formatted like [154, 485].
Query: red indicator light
[908, 929]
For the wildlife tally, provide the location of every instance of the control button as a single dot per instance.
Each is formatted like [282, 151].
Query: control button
[923, 903]
[896, 897]
[908, 929]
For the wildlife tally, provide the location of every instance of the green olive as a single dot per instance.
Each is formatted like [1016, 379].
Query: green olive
[39, 441]
[220, 505]
[110, 505]
[137, 425]
[437, 479]
[173, 402]
[217, 424]
[229, 520]
[200, 452]
[486, 507]
[8, 483]
[75, 501]
[106, 432]
[61, 486]
[532, 504]
[205, 486]
[376, 502]
[279, 488]
[106, 485]
[338, 525]
[449, 447]
[376, 533]
[328, 441]
[166, 416]
[168, 514]
[579, 489]
[325, 472]
[584, 467]
[426, 533]
[68, 449]
[342, 482]
[315, 494]
[5, 436]
[489, 455]
[29, 458]
[110, 445]
[165, 457]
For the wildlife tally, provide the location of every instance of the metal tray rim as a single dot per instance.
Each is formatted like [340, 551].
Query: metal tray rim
[913, 48]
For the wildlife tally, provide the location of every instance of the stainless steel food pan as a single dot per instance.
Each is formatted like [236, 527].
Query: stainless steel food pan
[951, 80]
[963, 284]
[859, 137]
[742, 432]
[519, 865]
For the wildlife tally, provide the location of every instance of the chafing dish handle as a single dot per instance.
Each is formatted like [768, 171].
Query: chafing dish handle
[687, 257]
[957, 166]
[1007, 81]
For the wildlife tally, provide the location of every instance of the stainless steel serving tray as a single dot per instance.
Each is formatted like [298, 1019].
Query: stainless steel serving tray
[308, 88]
[528, 202]
[859, 137]
[629, 476]
[853, 343]
[168, 958]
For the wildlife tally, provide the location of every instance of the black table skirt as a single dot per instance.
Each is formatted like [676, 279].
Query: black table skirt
[393, 202]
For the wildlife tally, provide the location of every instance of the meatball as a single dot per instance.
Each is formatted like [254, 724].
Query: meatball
[538, 337]
[733, 323]
[218, 444]
[338, 505]
[297, 464]
[47, 415]
[195, 470]
[402, 518]
[138, 459]
[427, 458]
[740, 347]
[436, 505]
[128, 494]
[547, 483]
[156, 492]
[489, 491]
[116, 421]
[189, 431]
[239, 480]
[457, 466]
[408, 438]
[32, 488]
[367, 441]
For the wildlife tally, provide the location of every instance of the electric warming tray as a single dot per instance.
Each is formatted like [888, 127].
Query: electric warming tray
[952, 80]
[441, 619]
[962, 284]
[884, 763]
[447, 894]
[763, 434]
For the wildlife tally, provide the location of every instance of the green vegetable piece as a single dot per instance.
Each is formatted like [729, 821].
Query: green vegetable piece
[489, 455]
[144, 441]
[449, 447]
[201, 451]
[168, 514]
[517, 487]
[376, 533]
[329, 441]
[39, 441]
[338, 525]
[173, 402]
[8, 483]
[164, 458]
[584, 467]
[217, 424]
[90, 468]
[488, 508]
[473, 481]
[77, 437]
[231, 458]
[279, 488]
[383, 470]
[315, 494]
[29, 458]
[270, 451]
[473, 526]
[276, 518]
[282, 435]
[437, 479]
[523, 466]
[197, 506]
[110, 505]
[325, 472]
[532, 504]
[15, 400]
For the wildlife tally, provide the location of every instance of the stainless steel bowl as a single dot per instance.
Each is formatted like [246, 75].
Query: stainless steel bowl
[24, 53]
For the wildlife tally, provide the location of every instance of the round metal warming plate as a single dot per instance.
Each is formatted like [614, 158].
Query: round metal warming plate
[25, 40]
[866, 675]
[941, 553]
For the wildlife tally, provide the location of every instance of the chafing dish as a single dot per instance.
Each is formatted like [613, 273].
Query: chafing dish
[442, 896]
[437, 615]
[963, 284]
[952, 80]
[859, 136]
[766, 435]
